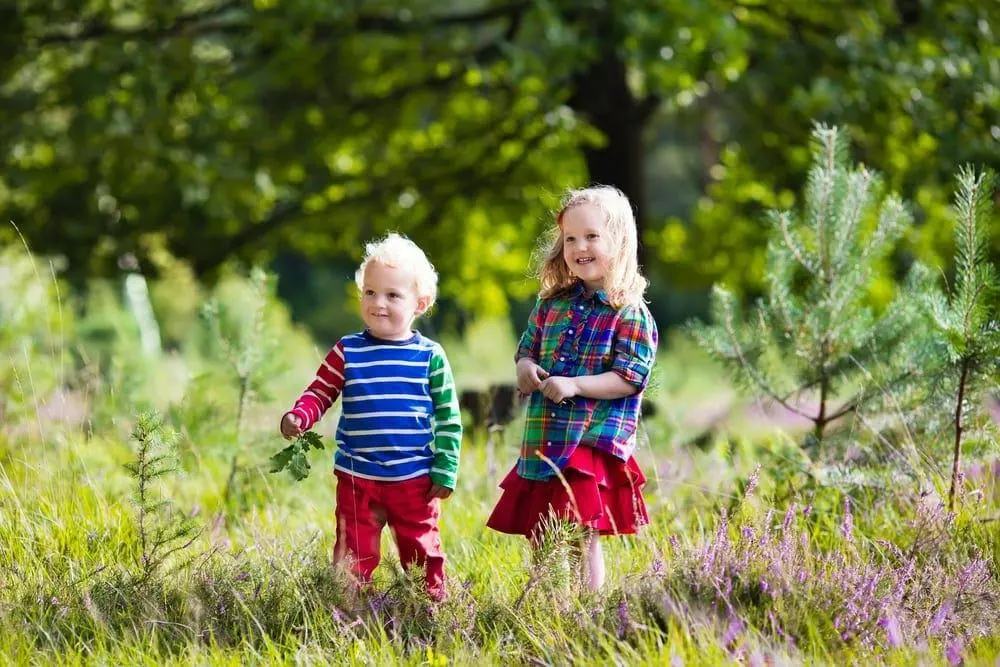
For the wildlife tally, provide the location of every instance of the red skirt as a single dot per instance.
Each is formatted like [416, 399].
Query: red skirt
[604, 494]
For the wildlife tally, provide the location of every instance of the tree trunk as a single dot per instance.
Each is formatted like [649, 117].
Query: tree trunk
[956, 460]
[602, 96]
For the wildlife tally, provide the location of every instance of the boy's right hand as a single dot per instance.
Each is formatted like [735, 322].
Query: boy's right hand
[291, 426]
[529, 376]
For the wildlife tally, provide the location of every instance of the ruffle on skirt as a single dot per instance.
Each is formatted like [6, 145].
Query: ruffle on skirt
[604, 494]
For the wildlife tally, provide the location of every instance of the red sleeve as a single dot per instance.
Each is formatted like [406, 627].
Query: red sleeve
[321, 393]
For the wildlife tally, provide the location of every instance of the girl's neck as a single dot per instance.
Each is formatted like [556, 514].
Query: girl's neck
[590, 287]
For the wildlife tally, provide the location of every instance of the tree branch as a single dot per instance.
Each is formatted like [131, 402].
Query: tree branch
[396, 25]
[185, 24]
[199, 23]
[286, 210]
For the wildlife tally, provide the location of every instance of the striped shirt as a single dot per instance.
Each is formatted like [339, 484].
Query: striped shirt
[399, 410]
[573, 334]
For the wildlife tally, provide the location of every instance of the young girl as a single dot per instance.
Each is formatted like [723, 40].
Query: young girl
[585, 360]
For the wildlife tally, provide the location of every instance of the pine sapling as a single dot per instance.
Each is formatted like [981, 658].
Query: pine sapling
[964, 321]
[244, 349]
[815, 329]
[163, 530]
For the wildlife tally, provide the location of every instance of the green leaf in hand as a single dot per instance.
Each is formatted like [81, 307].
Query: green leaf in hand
[311, 439]
[282, 458]
[299, 467]
[294, 456]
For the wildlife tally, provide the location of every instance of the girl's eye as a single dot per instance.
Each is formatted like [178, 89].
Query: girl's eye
[569, 239]
[369, 292]
[393, 295]
[593, 236]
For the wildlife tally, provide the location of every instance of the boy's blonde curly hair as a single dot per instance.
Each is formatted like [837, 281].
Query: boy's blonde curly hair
[399, 252]
[623, 283]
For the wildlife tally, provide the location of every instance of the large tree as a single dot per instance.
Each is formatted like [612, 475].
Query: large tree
[236, 129]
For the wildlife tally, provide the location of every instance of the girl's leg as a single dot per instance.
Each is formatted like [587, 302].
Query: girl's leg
[593, 561]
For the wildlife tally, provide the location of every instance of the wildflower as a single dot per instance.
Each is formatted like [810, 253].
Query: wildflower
[938, 621]
[752, 481]
[953, 652]
[732, 631]
[893, 633]
[847, 525]
[623, 618]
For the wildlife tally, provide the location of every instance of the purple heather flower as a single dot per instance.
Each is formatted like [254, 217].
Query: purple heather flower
[753, 480]
[847, 526]
[623, 618]
[893, 633]
[732, 631]
[789, 516]
[953, 652]
[937, 623]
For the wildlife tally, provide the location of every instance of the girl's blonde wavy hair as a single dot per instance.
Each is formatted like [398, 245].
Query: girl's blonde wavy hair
[623, 282]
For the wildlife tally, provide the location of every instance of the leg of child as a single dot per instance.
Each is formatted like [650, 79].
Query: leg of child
[414, 523]
[593, 561]
[359, 526]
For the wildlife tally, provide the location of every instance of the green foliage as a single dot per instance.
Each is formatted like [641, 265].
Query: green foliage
[35, 327]
[294, 457]
[815, 333]
[220, 130]
[913, 84]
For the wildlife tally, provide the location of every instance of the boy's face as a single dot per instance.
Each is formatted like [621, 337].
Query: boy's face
[389, 301]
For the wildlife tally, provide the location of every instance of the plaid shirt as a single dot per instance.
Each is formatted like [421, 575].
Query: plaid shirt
[572, 335]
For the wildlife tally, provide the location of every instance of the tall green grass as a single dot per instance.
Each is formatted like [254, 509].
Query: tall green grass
[257, 584]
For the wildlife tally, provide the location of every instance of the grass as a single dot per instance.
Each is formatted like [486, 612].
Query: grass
[256, 586]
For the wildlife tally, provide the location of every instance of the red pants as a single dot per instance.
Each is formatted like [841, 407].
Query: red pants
[364, 506]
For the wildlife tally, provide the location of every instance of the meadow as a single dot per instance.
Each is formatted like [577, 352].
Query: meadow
[140, 524]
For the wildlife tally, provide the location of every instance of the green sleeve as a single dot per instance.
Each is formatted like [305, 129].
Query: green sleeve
[447, 421]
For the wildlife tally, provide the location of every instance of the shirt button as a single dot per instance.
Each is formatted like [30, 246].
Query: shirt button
[571, 331]
[562, 358]
[552, 414]
[549, 443]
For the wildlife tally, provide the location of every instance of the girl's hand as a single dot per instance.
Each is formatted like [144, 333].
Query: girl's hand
[291, 427]
[558, 388]
[438, 491]
[529, 376]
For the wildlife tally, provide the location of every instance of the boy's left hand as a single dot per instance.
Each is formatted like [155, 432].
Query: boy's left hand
[558, 388]
[438, 491]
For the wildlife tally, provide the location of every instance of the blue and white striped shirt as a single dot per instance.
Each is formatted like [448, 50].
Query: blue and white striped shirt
[399, 409]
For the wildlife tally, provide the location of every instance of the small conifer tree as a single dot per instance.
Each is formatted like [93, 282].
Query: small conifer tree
[963, 322]
[816, 331]
[245, 344]
[162, 529]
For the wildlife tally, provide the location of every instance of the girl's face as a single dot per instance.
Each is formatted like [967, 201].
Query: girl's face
[389, 301]
[586, 244]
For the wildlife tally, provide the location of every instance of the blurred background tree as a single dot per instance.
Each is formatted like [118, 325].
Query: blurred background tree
[292, 130]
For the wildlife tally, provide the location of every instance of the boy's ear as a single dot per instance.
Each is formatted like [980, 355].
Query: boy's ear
[423, 303]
